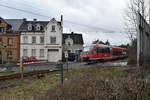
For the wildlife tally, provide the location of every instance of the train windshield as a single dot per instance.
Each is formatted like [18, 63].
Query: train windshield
[88, 50]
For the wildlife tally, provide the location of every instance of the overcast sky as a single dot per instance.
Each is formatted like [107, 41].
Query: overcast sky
[96, 19]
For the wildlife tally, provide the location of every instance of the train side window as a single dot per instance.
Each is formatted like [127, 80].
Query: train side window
[98, 50]
[107, 50]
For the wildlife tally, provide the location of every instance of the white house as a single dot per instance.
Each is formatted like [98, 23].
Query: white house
[41, 39]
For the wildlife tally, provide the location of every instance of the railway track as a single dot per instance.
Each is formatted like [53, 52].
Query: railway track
[25, 75]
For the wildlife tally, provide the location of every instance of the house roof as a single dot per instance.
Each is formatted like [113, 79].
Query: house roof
[15, 23]
[77, 38]
[24, 26]
[3, 20]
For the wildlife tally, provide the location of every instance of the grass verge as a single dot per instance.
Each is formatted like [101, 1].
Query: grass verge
[92, 83]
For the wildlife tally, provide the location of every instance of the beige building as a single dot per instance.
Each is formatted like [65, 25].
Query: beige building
[10, 43]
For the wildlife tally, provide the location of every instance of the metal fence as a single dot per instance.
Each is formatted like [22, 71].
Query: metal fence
[143, 41]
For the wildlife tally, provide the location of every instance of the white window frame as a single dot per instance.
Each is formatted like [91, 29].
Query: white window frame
[30, 27]
[52, 37]
[33, 39]
[10, 41]
[53, 28]
[38, 27]
[42, 53]
[25, 52]
[25, 39]
[41, 39]
[33, 52]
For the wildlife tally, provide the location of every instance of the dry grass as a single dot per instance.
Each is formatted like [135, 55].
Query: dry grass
[102, 84]
[99, 88]
[94, 83]
[27, 89]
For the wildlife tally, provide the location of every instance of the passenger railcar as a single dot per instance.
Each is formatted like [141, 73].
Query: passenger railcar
[100, 52]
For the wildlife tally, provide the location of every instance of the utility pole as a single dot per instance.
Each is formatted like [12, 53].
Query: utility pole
[142, 2]
[149, 14]
[138, 6]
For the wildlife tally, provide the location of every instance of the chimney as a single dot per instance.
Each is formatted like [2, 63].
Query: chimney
[34, 19]
[62, 20]
[24, 19]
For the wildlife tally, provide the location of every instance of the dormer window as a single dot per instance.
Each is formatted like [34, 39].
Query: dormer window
[29, 27]
[69, 41]
[53, 28]
[38, 28]
[41, 28]
[33, 28]
[69, 44]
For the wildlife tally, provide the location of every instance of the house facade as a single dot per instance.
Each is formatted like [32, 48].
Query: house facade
[73, 44]
[9, 43]
[41, 39]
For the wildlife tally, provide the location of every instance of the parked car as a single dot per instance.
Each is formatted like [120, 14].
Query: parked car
[29, 59]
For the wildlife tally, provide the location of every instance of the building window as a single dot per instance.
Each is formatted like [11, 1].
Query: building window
[29, 27]
[25, 39]
[9, 54]
[41, 28]
[10, 41]
[38, 27]
[69, 44]
[41, 52]
[33, 52]
[53, 40]
[42, 39]
[69, 51]
[53, 28]
[33, 39]
[33, 28]
[1, 29]
[25, 52]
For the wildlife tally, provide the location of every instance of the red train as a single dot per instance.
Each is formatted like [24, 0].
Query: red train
[101, 52]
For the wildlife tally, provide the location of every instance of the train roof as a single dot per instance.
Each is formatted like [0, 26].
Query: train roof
[102, 45]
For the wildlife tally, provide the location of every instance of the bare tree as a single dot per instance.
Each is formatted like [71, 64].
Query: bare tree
[133, 7]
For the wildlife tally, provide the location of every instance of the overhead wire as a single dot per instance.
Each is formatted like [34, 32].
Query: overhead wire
[26, 11]
[67, 21]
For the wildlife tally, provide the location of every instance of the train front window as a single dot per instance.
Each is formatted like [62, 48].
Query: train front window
[88, 50]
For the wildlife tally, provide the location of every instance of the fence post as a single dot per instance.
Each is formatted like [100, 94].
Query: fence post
[21, 68]
[62, 73]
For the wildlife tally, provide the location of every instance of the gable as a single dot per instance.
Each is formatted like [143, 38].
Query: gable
[77, 38]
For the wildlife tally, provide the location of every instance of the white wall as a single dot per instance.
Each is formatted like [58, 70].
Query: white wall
[47, 34]
[57, 34]
[29, 46]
